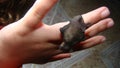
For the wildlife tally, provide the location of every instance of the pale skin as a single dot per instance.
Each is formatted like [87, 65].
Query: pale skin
[30, 41]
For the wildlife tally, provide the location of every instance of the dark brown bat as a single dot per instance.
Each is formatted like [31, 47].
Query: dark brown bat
[73, 33]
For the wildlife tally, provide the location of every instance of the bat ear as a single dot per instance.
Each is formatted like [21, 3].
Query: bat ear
[78, 18]
[80, 22]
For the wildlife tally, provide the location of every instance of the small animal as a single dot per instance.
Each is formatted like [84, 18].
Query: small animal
[72, 33]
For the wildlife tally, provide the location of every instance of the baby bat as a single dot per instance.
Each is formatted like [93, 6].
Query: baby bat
[72, 33]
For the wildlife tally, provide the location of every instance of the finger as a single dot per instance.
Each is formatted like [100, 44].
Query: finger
[90, 42]
[99, 27]
[37, 12]
[55, 30]
[60, 56]
[90, 17]
[96, 15]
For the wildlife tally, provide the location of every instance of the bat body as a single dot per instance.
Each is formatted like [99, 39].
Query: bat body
[73, 33]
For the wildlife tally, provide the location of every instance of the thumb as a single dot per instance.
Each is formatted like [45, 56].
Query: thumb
[37, 12]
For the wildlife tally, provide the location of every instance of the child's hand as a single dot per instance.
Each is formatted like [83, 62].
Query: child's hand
[30, 41]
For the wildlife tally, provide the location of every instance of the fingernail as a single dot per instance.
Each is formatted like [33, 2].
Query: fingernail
[105, 13]
[92, 33]
[103, 39]
[110, 24]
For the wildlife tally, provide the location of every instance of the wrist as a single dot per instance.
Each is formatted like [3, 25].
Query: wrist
[9, 64]
[7, 61]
